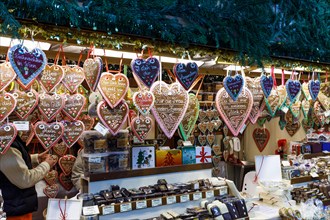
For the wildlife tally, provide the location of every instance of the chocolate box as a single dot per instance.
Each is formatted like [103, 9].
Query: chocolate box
[172, 157]
[203, 154]
[188, 155]
[143, 157]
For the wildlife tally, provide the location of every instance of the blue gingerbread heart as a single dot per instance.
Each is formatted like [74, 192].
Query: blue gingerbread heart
[266, 83]
[314, 88]
[186, 74]
[293, 88]
[234, 85]
[146, 70]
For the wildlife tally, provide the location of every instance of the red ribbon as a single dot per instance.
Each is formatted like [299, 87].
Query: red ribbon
[282, 77]
[203, 155]
[273, 76]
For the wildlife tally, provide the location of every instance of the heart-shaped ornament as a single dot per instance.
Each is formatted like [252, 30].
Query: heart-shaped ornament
[141, 126]
[113, 118]
[7, 105]
[88, 121]
[51, 177]
[210, 126]
[191, 138]
[254, 86]
[65, 181]
[293, 88]
[210, 139]
[216, 149]
[60, 149]
[202, 139]
[234, 113]
[295, 108]
[26, 102]
[188, 122]
[261, 137]
[7, 75]
[324, 100]
[202, 115]
[215, 114]
[113, 88]
[314, 88]
[48, 134]
[202, 127]
[171, 103]
[186, 73]
[233, 85]
[73, 77]
[50, 105]
[73, 105]
[145, 71]
[8, 134]
[305, 106]
[273, 102]
[217, 124]
[305, 90]
[72, 132]
[143, 101]
[27, 65]
[266, 83]
[50, 77]
[92, 69]
[28, 135]
[66, 163]
[292, 128]
[51, 191]
[209, 114]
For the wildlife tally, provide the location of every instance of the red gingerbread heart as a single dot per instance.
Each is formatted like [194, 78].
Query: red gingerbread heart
[7, 105]
[73, 77]
[7, 75]
[50, 77]
[143, 101]
[51, 177]
[92, 69]
[141, 126]
[66, 182]
[60, 149]
[51, 191]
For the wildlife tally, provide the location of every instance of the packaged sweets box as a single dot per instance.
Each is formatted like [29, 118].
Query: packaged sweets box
[143, 157]
[188, 155]
[171, 157]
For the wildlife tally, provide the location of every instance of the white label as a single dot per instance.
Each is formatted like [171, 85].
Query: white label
[242, 129]
[91, 210]
[285, 163]
[156, 202]
[125, 207]
[197, 196]
[94, 159]
[106, 210]
[101, 128]
[184, 198]
[223, 191]
[22, 125]
[141, 204]
[327, 113]
[136, 140]
[187, 143]
[325, 151]
[314, 175]
[209, 194]
[285, 109]
[170, 200]
[329, 178]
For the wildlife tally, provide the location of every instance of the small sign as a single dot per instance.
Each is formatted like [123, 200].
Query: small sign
[107, 210]
[314, 175]
[22, 125]
[209, 194]
[184, 198]
[327, 113]
[285, 163]
[91, 210]
[187, 143]
[170, 200]
[156, 202]
[197, 196]
[125, 207]
[242, 129]
[141, 204]
[285, 109]
[101, 128]
[94, 159]
[223, 191]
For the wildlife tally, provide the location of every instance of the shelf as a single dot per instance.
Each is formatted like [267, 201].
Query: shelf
[147, 172]
[304, 179]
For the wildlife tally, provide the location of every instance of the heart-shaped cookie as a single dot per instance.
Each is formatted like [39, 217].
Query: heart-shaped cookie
[292, 128]
[65, 181]
[210, 126]
[51, 191]
[293, 88]
[27, 65]
[88, 121]
[8, 134]
[305, 90]
[314, 88]
[202, 115]
[66, 163]
[141, 126]
[233, 85]
[186, 73]
[216, 149]
[202, 139]
[26, 102]
[60, 149]
[73, 77]
[27, 136]
[209, 114]
[72, 132]
[171, 103]
[273, 102]
[210, 139]
[50, 77]
[295, 108]
[7, 75]
[7, 105]
[217, 124]
[234, 113]
[51, 177]
[143, 101]
[261, 137]
[305, 106]
[92, 69]
[73, 105]
[258, 97]
[113, 118]
[266, 83]
[48, 134]
[145, 71]
[50, 105]
[113, 88]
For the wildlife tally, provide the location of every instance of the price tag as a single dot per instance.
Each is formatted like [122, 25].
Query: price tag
[184, 198]
[91, 210]
[285, 163]
[101, 128]
[314, 175]
[242, 129]
[197, 196]
[106, 210]
[187, 143]
[125, 207]
[141, 204]
[209, 194]
[94, 159]
[22, 125]
[223, 191]
[156, 202]
[285, 109]
[170, 200]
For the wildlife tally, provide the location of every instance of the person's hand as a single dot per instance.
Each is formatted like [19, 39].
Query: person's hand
[50, 160]
[43, 156]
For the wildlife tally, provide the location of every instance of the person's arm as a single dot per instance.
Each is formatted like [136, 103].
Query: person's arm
[34, 160]
[77, 171]
[14, 168]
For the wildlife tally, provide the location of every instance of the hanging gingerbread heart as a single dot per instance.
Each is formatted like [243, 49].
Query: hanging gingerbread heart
[28, 135]
[305, 90]
[186, 73]
[143, 101]
[51, 177]
[273, 102]
[7, 105]
[234, 113]
[50, 105]
[60, 149]
[266, 83]
[66, 163]
[216, 149]
[141, 126]
[92, 69]
[210, 126]
[113, 88]
[217, 124]
[171, 103]
[209, 114]
[202, 139]
[72, 132]
[189, 120]
[27, 65]
[88, 121]
[295, 109]
[292, 128]
[305, 106]
[26, 102]
[210, 139]
[113, 118]
[145, 71]
[7, 75]
[48, 134]
[215, 114]
[50, 77]
[202, 115]
[51, 191]
[233, 85]
[261, 137]
[258, 96]
[73, 77]
[293, 88]
[314, 88]
[65, 181]
[8, 134]
[73, 105]
[324, 100]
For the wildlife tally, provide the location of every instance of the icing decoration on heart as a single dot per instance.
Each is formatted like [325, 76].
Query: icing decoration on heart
[145, 71]
[202, 115]
[261, 121]
[113, 88]
[66, 163]
[292, 128]
[216, 149]
[8, 134]
[188, 122]
[48, 134]
[295, 108]
[234, 113]
[266, 83]
[27, 136]
[258, 96]
[273, 102]
[261, 137]
[141, 126]
[143, 101]
[26, 102]
[65, 181]
[305, 90]
[73, 105]
[113, 118]
[50, 77]
[60, 149]
[233, 85]
[202, 139]
[7, 105]
[51, 177]
[171, 103]
[210, 139]
[186, 73]
[88, 121]
[92, 69]
[50, 105]
[73, 77]
[314, 88]
[72, 132]
[7, 75]
[51, 191]
[293, 88]
[202, 127]
[27, 65]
